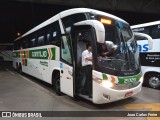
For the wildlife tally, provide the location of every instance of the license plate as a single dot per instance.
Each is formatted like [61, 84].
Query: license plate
[128, 94]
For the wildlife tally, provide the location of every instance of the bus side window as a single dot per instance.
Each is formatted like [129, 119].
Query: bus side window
[41, 37]
[24, 43]
[70, 20]
[155, 31]
[41, 40]
[66, 49]
[27, 43]
[16, 45]
[32, 40]
[55, 34]
[142, 30]
[47, 35]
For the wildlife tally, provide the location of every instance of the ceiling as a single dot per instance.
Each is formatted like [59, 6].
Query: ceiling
[142, 6]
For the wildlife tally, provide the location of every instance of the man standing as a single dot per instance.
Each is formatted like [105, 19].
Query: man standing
[87, 68]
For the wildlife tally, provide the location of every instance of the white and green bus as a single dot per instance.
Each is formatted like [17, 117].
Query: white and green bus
[52, 52]
[150, 58]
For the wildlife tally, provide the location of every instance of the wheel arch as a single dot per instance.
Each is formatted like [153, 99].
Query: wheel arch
[55, 72]
[151, 72]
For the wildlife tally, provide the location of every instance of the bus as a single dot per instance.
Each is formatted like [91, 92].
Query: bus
[6, 50]
[150, 58]
[52, 52]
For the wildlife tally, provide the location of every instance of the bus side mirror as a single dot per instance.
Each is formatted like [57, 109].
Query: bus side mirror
[150, 40]
[100, 32]
[98, 26]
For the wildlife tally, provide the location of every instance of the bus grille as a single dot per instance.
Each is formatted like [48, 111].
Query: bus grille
[125, 86]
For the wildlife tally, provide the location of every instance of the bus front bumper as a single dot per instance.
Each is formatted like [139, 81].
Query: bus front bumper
[102, 94]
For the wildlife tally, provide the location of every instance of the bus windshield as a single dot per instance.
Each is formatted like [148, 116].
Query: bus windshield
[119, 51]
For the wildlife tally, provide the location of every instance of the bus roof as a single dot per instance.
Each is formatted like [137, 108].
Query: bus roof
[5, 44]
[146, 24]
[66, 13]
[81, 10]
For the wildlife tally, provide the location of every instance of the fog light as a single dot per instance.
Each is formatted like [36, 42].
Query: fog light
[106, 96]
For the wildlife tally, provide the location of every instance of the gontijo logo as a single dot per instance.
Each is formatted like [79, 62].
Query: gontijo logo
[39, 54]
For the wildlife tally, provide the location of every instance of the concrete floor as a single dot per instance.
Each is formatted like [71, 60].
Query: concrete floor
[25, 93]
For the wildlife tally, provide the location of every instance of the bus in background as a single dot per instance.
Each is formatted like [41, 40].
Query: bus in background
[6, 52]
[150, 58]
[52, 52]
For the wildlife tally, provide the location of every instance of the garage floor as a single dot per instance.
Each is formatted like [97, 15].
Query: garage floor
[25, 93]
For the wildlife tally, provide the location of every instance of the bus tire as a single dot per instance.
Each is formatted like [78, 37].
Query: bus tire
[153, 80]
[56, 83]
[20, 69]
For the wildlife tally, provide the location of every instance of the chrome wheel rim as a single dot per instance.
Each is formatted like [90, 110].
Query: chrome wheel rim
[154, 82]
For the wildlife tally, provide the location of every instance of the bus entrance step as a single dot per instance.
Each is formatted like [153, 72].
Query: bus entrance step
[85, 97]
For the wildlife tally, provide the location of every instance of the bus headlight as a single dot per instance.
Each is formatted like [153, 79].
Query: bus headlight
[106, 83]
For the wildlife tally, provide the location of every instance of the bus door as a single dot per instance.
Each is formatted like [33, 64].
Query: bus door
[66, 66]
[81, 35]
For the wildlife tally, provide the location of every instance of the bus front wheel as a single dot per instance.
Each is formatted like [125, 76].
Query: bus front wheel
[153, 80]
[57, 85]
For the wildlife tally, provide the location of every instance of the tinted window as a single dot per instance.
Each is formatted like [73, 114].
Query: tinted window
[155, 31]
[32, 40]
[17, 45]
[70, 20]
[140, 38]
[53, 34]
[142, 30]
[41, 40]
[42, 37]
[66, 49]
[24, 43]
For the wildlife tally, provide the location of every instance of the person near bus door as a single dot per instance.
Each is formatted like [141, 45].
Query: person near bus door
[87, 68]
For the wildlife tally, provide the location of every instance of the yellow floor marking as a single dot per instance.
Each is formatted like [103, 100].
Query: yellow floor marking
[151, 107]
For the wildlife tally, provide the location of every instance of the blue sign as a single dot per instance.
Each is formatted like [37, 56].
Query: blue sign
[120, 25]
[61, 65]
[143, 48]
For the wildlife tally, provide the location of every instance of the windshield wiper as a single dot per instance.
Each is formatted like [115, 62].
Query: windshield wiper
[125, 48]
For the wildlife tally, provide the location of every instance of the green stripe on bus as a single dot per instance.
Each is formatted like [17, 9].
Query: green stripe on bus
[129, 79]
[37, 54]
[24, 52]
[53, 53]
[16, 54]
[104, 76]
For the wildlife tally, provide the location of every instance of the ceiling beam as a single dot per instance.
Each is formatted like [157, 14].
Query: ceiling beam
[125, 5]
